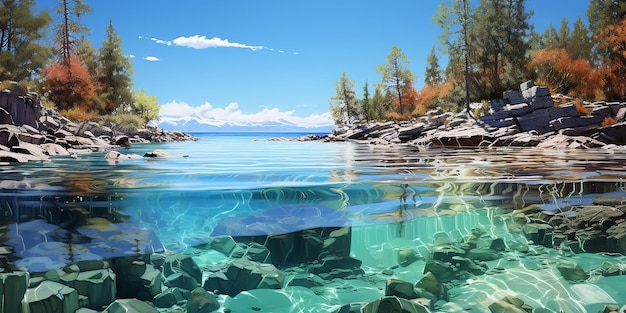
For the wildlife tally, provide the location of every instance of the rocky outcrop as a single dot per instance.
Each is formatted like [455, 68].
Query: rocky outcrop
[529, 117]
[42, 133]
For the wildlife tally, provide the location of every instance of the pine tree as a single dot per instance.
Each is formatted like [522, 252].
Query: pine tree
[21, 52]
[365, 106]
[550, 38]
[581, 44]
[114, 75]
[432, 75]
[380, 106]
[397, 78]
[343, 104]
[70, 30]
[564, 35]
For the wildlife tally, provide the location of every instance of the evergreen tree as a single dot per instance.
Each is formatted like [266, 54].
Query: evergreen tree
[501, 31]
[564, 36]
[550, 38]
[114, 75]
[432, 75]
[581, 44]
[365, 106]
[380, 106]
[70, 30]
[456, 22]
[602, 13]
[21, 53]
[397, 78]
[343, 104]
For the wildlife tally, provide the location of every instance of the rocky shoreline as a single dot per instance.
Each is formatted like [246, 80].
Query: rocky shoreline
[530, 117]
[58, 136]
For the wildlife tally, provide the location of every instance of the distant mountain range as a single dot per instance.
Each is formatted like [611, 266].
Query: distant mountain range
[199, 124]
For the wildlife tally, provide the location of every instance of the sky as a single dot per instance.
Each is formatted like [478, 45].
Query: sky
[243, 61]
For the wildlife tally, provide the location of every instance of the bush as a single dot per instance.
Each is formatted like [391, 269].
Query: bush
[122, 122]
[581, 108]
[608, 121]
[79, 114]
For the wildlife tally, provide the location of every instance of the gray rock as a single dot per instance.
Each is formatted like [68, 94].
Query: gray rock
[571, 271]
[202, 301]
[130, 306]
[181, 280]
[400, 288]
[176, 263]
[14, 286]
[50, 297]
[431, 284]
[168, 298]
[394, 304]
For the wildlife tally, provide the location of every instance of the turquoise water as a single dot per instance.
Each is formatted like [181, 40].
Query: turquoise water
[393, 197]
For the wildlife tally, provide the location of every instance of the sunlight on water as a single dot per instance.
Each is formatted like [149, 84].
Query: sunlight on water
[401, 206]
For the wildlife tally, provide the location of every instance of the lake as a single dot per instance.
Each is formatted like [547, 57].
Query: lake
[395, 201]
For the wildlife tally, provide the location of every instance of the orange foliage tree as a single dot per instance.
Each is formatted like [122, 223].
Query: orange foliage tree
[430, 96]
[612, 41]
[69, 85]
[565, 75]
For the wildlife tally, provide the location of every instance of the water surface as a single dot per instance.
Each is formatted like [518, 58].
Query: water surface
[393, 197]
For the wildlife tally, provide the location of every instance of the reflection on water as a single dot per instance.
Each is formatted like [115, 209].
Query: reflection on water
[394, 198]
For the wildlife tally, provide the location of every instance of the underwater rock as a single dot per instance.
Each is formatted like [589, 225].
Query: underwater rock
[136, 278]
[442, 270]
[50, 297]
[225, 244]
[482, 254]
[431, 284]
[510, 304]
[175, 263]
[400, 288]
[445, 253]
[99, 285]
[130, 306]
[202, 301]
[243, 274]
[181, 280]
[394, 304]
[407, 255]
[571, 271]
[14, 287]
[307, 280]
[169, 297]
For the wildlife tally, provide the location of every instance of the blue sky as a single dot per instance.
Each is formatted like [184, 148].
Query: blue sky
[242, 61]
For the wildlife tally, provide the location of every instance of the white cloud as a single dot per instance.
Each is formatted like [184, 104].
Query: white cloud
[232, 114]
[202, 42]
[163, 42]
[152, 59]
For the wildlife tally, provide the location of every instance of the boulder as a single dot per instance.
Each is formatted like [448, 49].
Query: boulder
[157, 154]
[176, 263]
[571, 271]
[130, 306]
[431, 284]
[14, 287]
[181, 280]
[394, 304]
[50, 297]
[202, 301]
[168, 298]
[510, 304]
[8, 138]
[5, 117]
[400, 288]
[242, 274]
